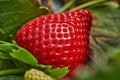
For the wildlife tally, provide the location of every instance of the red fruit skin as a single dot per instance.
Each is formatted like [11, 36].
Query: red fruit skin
[58, 40]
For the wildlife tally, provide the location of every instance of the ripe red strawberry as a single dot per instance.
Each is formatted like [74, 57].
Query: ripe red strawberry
[58, 40]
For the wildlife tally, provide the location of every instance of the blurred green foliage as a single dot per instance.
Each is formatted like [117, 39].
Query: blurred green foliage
[15, 13]
[11, 77]
[105, 44]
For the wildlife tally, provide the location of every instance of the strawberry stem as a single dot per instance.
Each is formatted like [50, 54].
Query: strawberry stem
[87, 4]
[12, 71]
[66, 6]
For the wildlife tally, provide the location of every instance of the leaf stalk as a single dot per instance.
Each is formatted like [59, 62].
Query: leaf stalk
[66, 6]
[12, 71]
[87, 4]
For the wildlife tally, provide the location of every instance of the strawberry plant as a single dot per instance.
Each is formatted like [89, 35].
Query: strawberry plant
[59, 40]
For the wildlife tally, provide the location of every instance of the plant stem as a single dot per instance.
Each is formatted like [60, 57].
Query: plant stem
[12, 71]
[66, 6]
[87, 4]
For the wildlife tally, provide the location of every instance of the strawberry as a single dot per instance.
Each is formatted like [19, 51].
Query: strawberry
[34, 74]
[58, 40]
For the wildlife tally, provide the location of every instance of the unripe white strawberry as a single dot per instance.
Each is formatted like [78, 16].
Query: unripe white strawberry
[34, 74]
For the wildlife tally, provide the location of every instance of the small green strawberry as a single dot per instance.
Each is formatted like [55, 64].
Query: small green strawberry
[34, 74]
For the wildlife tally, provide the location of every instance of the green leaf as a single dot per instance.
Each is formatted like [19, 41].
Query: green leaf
[15, 13]
[4, 56]
[15, 53]
[24, 56]
[11, 77]
[45, 68]
[56, 73]
[5, 47]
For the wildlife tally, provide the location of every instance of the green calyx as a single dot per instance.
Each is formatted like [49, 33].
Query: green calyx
[23, 61]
